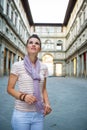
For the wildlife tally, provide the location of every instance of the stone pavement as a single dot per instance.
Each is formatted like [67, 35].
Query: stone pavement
[68, 97]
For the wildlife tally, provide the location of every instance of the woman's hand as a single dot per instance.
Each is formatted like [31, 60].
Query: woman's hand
[30, 99]
[47, 109]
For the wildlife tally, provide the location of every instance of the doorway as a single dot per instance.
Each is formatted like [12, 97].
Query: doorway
[58, 69]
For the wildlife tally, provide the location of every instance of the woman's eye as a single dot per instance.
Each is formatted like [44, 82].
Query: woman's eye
[30, 42]
[37, 43]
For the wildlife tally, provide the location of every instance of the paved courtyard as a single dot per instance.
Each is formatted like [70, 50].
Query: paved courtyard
[68, 97]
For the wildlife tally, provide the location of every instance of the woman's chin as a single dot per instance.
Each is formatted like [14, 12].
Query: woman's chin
[33, 53]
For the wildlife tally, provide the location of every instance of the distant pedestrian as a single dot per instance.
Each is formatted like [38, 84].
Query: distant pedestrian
[32, 102]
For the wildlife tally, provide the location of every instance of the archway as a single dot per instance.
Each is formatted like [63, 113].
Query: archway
[48, 60]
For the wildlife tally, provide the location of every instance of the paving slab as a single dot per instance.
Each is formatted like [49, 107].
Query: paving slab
[68, 98]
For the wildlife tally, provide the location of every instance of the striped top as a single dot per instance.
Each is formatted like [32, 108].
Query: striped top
[25, 83]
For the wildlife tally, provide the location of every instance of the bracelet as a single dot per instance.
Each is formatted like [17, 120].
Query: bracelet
[24, 97]
[21, 95]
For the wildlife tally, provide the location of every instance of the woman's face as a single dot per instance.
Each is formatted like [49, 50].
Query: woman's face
[33, 46]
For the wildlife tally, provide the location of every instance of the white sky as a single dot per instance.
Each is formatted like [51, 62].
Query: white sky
[48, 11]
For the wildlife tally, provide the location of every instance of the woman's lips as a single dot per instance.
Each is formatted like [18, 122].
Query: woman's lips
[33, 48]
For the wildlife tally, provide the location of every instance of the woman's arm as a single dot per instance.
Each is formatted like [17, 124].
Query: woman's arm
[11, 85]
[46, 99]
[11, 90]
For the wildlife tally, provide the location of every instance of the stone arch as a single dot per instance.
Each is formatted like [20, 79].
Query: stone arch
[48, 60]
[47, 41]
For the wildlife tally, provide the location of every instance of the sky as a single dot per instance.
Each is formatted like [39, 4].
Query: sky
[48, 11]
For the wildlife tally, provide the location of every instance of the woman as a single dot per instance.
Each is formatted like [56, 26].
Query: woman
[32, 102]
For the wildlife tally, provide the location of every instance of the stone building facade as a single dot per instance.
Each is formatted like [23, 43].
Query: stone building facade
[76, 41]
[64, 46]
[67, 45]
[53, 48]
[14, 30]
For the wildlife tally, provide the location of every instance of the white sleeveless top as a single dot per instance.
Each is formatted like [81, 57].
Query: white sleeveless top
[25, 83]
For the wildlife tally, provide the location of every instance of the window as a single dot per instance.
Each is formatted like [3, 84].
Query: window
[19, 26]
[59, 45]
[7, 30]
[47, 41]
[59, 29]
[12, 10]
[43, 29]
[47, 44]
[15, 38]
[51, 29]
[7, 9]
[12, 35]
[80, 19]
[16, 17]
[84, 14]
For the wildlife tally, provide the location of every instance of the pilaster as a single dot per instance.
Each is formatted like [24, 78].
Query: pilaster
[1, 59]
[11, 60]
[7, 62]
[82, 69]
[5, 6]
[54, 73]
[78, 65]
[70, 68]
[86, 64]
[16, 57]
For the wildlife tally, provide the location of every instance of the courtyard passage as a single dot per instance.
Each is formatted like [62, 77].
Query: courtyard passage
[68, 98]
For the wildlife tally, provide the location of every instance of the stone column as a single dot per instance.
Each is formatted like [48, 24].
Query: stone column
[1, 59]
[7, 60]
[32, 29]
[11, 60]
[70, 68]
[86, 64]
[73, 67]
[16, 57]
[78, 65]
[67, 69]
[54, 69]
[82, 69]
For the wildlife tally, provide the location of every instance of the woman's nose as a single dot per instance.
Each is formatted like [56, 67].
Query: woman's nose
[33, 44]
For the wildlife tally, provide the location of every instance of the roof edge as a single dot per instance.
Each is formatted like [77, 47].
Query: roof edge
[48, 24]
[26, 6]
[69, 10]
